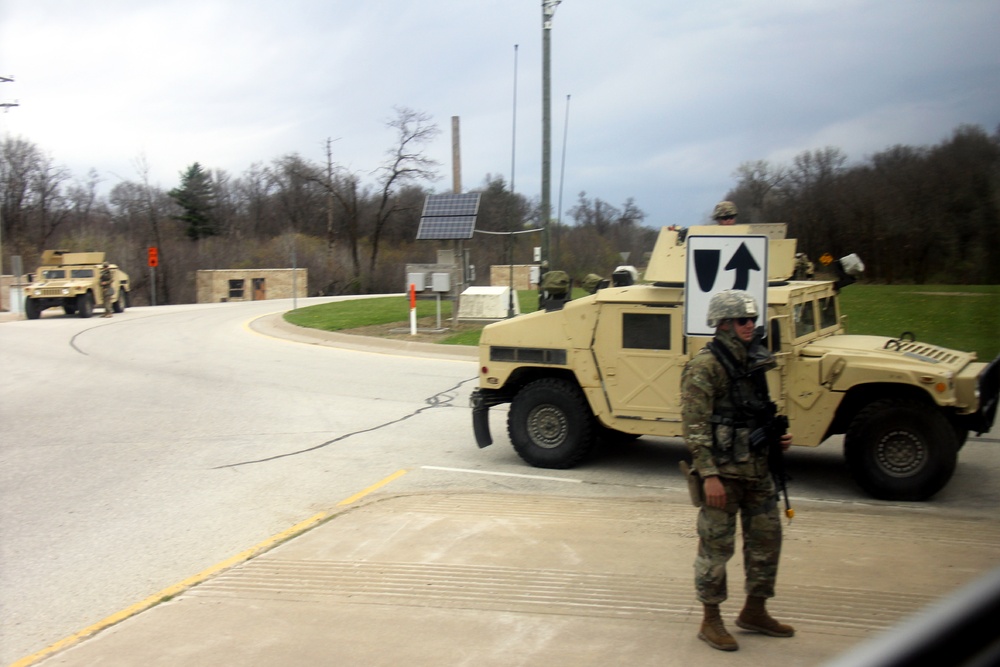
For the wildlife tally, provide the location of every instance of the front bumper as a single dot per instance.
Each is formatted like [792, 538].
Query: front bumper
[481, 401]
[981, 421]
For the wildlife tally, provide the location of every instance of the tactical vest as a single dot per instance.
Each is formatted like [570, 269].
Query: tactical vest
[743, 410]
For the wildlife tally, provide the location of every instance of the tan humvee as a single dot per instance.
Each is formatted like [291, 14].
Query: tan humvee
[608, 367]
[73, 280]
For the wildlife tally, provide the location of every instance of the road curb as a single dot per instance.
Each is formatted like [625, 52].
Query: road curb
[276, 326]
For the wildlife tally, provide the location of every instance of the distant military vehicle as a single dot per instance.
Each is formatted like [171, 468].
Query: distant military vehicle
[72, 280]
[608, 367]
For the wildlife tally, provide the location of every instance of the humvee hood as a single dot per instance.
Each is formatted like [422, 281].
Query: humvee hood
[897, 349]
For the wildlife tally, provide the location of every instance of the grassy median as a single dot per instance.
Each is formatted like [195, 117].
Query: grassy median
[962, 317]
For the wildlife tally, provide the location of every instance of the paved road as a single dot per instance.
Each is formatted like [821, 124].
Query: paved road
[140, 450]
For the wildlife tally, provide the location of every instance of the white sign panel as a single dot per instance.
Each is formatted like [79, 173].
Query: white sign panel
[716, 263]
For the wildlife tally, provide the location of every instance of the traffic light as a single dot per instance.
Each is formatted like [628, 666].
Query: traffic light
[154, 257]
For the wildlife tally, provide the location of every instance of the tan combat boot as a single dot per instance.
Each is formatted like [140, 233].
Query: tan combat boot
[713, 632]
[755, 618]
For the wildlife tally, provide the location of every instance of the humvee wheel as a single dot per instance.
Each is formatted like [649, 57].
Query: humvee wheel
[84, 305]
[901, 450]
[961, 435]
[550, 424]
[31, 309]
[122, 302]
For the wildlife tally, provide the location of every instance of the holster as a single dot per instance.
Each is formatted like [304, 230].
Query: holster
[695, 487]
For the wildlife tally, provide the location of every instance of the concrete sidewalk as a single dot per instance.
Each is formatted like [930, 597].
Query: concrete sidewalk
[496, 579]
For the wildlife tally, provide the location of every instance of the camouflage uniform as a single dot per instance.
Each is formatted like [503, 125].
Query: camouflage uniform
[750, 491]
[107, 290]
[804, 269]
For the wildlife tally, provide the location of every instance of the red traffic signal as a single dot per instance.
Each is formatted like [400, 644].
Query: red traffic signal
[154, 257]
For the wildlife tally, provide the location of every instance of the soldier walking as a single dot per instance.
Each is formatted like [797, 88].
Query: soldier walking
[724, 403]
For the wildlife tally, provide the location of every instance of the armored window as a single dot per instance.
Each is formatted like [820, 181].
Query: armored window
[827, 312]
[236, 289]
[805, 319]
[646, 332]
[54, 274]
[82, 273]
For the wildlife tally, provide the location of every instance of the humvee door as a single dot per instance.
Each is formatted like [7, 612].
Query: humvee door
[639, 351]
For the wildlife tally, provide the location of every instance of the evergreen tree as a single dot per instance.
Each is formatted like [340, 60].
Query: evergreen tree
[197, 199]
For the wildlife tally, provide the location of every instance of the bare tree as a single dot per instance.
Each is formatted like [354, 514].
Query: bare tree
[756, 181]
[407, 164]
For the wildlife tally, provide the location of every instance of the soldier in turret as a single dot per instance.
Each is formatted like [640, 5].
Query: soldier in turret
[725, 213]
[724, 406]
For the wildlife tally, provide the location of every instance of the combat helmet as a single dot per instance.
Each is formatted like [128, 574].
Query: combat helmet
[724, 209]
[730, 304]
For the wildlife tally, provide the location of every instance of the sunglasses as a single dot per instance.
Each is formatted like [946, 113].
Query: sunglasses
[742, 321]
[726, 217]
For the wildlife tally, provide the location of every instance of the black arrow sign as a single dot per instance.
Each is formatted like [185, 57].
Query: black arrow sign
[706, 265]
[743, 263]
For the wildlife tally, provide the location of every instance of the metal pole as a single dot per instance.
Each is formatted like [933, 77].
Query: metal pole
[548, 10]
[513, 132]
[5, 106]
[562, 168]
[510, 239]
[295, 275]
[456, 157]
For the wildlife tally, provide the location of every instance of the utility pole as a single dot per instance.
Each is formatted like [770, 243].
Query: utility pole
[548, 11]
[5, 106]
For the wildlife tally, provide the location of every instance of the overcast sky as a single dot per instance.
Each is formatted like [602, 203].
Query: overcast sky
[667, 98]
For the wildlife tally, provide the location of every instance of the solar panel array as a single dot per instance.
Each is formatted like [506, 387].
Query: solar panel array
[448, 217]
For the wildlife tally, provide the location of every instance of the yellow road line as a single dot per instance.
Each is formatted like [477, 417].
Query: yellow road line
[377, 485]
[179, 588]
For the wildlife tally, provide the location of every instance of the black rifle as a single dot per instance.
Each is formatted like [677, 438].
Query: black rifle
[776, 428]
[769, 436]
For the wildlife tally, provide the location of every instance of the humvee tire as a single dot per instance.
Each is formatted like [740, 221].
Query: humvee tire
[122, 302]
[550, 424]
[31, 309]
[84, 305]
[898, 449]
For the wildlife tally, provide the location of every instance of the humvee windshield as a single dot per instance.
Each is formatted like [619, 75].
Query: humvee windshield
[815, 315]
[82, 273]
[54, 274]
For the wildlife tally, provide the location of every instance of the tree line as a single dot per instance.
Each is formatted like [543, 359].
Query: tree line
[914, 214]
[354, 231]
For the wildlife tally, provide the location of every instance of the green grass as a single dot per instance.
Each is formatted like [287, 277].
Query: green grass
[364, 312]
[962, 317]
